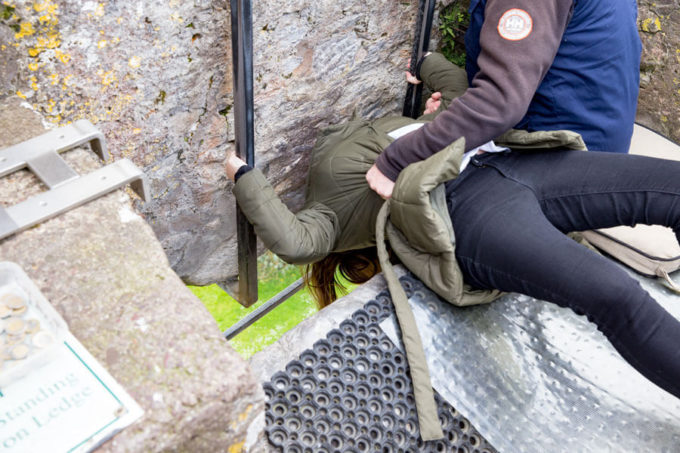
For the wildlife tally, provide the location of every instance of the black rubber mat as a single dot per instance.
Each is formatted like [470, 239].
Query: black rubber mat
[352, 392]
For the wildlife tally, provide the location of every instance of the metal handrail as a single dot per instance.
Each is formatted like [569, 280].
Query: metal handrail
[242, 62]
[265, 308]
[421, 44]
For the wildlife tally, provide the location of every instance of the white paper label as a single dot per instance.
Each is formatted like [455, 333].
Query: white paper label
[71, 404]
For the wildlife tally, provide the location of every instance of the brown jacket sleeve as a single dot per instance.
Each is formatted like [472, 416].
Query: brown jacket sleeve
[500, 94]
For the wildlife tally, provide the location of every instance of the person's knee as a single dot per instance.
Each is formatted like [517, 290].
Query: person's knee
[616, 303]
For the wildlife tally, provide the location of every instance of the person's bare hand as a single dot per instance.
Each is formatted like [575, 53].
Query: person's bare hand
[432, 104]
[381, 184]
[410, 78]
[233, 164]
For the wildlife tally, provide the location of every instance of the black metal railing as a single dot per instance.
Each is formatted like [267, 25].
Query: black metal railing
[242, 62]
[421, 43]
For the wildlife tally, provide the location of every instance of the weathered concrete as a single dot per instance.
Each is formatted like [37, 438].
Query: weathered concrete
[155, 77]
[103, 270]
[659, 104]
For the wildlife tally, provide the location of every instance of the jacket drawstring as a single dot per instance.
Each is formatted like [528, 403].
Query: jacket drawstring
[428, 419]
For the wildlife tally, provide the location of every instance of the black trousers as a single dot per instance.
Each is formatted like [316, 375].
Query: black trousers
[510, 212]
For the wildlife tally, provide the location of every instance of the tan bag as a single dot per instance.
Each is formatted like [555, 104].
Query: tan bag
[650, 250]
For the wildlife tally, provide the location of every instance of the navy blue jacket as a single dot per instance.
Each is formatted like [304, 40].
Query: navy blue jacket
[582, 91]
[539, 65]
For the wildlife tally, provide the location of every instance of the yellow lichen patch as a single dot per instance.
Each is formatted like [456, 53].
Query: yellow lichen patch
[99, 10]
[25, 29]
[46, 34]
[48, 6]
[645, 24]
[62, 56]
[107, 78]
[21, 95]
[33, 66]
[54, 78]
[237, 448]
[243, 416]
[137, 130]
[102, 43]
[50, 105]
[65, 80]
[40, 7]
[651, 25]
[50, 41]
[134, 62]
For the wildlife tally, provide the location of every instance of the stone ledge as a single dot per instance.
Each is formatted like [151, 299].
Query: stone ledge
[102, 268]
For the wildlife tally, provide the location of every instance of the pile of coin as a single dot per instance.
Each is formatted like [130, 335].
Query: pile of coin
[19, 336]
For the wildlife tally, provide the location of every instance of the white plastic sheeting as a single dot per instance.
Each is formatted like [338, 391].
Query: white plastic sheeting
[532, 376]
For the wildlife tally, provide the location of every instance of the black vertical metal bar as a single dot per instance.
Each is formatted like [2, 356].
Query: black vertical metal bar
[420, 46]
[242, 61]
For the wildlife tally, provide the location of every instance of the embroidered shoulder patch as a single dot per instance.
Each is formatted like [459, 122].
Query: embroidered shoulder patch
[515, 25]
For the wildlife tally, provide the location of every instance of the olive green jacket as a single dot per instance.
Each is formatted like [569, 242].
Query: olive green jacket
[342, 213]
[340, 209]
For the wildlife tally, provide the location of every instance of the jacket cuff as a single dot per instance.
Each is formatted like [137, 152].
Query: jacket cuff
[243, 169]
[385, 168]
[250, 190]
[419, 65]
[427, 66]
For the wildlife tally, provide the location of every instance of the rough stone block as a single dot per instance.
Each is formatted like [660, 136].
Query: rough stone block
[106, 274]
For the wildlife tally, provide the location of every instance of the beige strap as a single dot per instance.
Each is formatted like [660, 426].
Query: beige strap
[667, 281]
[430, 428]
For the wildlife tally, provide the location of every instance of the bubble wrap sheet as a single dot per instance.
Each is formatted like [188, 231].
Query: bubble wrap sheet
[532, 376]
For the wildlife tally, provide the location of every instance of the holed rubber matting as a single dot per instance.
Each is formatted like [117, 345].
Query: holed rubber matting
[352, 392]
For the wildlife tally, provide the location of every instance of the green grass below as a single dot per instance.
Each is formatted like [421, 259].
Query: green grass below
[273, 276]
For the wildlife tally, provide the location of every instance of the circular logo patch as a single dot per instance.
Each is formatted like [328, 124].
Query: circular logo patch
[515, 25]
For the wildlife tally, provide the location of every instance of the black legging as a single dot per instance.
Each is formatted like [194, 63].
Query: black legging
[510, 212]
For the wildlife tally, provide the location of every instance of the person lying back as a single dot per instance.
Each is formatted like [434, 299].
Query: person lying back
[336, 226]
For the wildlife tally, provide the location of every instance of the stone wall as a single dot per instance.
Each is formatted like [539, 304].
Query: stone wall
[659, 105]
[155, 77]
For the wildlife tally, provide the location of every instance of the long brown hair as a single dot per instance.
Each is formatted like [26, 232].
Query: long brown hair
[356, 266]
